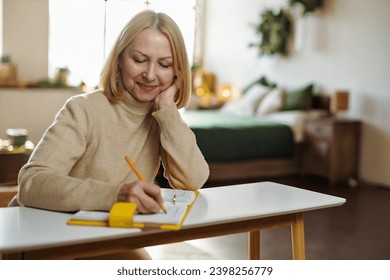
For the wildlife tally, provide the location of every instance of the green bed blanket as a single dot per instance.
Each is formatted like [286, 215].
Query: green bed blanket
[225, 137]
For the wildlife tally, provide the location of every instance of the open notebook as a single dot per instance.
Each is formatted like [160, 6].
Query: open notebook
[177, 203]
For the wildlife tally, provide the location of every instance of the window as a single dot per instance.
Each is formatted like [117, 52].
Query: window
[82, 32]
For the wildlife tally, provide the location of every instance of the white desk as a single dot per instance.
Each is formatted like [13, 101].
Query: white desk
[38, 234]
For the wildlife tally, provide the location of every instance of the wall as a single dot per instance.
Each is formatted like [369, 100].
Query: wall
[26, 36]
[25, 30]
[1, 26]
[344, 46]
[33, 109]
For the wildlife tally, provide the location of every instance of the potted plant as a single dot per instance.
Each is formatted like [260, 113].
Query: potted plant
[275, 30]
[308, 5]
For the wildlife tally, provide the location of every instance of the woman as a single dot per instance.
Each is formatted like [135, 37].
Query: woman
[79, 163]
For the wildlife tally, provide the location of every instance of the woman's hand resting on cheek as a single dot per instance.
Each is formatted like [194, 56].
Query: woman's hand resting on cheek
[167, 97]
[146, 195]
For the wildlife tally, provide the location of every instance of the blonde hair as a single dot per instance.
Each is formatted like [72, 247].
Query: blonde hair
[109, 83]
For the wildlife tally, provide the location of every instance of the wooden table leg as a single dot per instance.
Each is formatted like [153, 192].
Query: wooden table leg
[254, 245]
[298, 237]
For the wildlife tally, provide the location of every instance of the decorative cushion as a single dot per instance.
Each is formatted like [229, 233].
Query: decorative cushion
[298, 99]
[247, 104]
[271, 103]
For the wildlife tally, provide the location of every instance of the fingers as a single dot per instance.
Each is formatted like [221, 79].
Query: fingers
[147, 196]
[167, 96]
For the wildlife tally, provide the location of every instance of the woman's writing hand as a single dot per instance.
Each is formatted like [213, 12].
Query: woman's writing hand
[146, 195]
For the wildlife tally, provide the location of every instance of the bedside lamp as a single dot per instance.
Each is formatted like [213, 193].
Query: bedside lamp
[339, 102]
[225, 92]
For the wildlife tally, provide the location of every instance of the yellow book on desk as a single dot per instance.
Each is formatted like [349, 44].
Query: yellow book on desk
[177, 203]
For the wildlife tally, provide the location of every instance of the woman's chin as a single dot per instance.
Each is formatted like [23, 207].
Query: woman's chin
[146, 97]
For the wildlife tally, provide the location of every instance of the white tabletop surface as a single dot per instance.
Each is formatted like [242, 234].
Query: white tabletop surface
[255, 200]
[29, 228]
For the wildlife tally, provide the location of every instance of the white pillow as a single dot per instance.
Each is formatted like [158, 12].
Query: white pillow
[247, 104]
[271, 103]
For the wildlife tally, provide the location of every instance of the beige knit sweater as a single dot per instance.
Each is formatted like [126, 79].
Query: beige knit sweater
[79, 162]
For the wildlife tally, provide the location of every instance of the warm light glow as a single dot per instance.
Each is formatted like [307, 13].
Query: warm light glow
[200, 92]
[225, 92]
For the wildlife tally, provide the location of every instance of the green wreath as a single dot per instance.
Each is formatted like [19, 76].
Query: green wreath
[275, 31]
[308, 5]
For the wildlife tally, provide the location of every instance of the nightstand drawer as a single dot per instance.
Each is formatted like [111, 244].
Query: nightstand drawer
[319, 131]
[332, 148]
[321, 148]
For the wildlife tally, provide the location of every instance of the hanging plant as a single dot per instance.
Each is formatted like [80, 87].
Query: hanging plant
[308, 5]
[275, 31]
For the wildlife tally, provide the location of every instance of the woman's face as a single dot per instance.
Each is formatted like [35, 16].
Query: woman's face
[147, 65]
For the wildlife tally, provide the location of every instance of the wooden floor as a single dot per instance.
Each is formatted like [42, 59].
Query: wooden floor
[358, 230]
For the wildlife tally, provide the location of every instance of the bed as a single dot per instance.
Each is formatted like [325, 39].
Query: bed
[259, 136]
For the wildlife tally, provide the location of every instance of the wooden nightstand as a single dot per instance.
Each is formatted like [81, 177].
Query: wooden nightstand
[332, 148]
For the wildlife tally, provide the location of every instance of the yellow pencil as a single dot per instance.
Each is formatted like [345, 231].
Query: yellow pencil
[140, 177]
[135, 169]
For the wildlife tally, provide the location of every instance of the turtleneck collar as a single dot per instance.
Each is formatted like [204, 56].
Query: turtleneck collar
[135, 106]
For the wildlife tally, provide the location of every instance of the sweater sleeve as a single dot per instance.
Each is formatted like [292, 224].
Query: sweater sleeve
[184, 164]
[44, 182]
